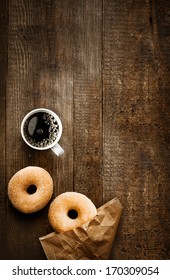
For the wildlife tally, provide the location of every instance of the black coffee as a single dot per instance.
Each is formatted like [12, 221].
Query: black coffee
[41, 129]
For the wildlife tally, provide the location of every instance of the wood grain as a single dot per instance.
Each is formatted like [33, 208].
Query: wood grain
[3, 73]
[134, 148]
[39, 75]
[103, 67]
[87, 55]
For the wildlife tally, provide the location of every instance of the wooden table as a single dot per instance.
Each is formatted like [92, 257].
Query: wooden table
[103, 67]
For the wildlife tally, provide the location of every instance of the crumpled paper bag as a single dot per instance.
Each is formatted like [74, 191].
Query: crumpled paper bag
[92, 241]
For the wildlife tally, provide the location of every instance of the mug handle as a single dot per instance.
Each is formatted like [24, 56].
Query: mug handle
[57, 149]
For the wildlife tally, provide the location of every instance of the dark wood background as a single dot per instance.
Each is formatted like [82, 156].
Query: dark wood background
[103, 67]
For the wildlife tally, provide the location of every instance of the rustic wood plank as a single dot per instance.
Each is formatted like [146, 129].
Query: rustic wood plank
[87, 56]
[39, 75]
[103, 66]
[135, 127]
[3, 72]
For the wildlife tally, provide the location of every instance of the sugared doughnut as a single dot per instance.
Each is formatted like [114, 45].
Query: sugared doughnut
[30, 189]
[70, 210]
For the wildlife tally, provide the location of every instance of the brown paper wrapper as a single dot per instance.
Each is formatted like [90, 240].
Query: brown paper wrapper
[91, 241]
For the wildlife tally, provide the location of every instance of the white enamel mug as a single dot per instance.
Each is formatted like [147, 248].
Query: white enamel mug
[54, 146]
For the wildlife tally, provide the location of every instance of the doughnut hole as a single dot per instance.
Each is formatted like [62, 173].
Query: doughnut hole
[31, 189]
[72, 214]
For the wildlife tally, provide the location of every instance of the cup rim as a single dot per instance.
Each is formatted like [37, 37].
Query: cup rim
[47, 111]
